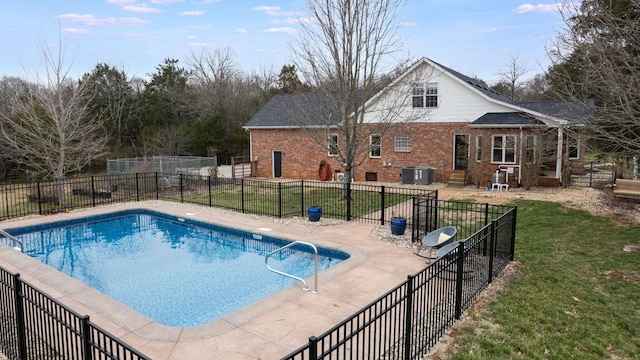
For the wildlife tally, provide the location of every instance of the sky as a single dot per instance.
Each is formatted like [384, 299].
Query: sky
[474, 37]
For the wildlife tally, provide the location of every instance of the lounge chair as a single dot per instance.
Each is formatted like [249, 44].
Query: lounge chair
[437, 239]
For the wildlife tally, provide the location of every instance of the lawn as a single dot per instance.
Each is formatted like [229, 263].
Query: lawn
[577, 294]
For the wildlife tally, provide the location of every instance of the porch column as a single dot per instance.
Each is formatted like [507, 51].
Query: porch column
[559, 154]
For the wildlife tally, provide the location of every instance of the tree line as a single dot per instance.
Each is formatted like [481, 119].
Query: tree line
[56, 125]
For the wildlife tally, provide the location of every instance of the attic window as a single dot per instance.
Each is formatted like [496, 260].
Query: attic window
[425, 95]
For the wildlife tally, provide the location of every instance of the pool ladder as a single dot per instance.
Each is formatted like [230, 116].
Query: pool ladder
[315, 250]
[17, 244]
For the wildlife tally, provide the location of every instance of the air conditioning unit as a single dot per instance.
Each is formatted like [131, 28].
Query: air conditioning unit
[340, 177]
[418, 175]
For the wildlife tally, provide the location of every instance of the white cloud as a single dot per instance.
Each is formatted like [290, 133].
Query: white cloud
[275, 11]
[92, 20]
[191, 13]
[200, 44]
[141, 9]
[264, 51]
[241, 31]
[76, 31]
[266, 9]
[408, 23]
[281, 30]
[488, 30]
[529, 8]
[165, 1]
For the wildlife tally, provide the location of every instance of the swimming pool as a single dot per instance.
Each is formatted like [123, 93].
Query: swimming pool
[177, 271]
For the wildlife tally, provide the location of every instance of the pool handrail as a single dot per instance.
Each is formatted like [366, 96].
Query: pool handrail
[315, 250]
[12, 238]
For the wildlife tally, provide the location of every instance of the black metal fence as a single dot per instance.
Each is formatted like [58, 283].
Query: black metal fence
[408, 320]
[35, 326]
[402, 324]
[363, 202]
[593, 175]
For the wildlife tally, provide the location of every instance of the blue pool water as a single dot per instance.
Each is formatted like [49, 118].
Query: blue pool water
[176, 271]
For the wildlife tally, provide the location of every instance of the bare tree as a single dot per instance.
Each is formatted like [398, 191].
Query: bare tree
[511, 77]
[595, 62]
[341, 52]
[50, 130]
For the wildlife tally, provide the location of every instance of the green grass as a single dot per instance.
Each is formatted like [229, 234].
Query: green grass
[570, 299]
[265, 200]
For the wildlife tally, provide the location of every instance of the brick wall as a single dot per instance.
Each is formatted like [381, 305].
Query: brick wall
[431, 145]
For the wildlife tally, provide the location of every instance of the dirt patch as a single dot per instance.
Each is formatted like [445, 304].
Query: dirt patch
[621, 275]
[596, 202]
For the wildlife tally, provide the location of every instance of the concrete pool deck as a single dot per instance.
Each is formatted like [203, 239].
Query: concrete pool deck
[269, 329]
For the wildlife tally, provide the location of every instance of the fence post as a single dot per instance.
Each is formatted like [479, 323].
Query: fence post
[348, 184]
[313, 348]
[415, 218]
[181, 190]
[513, 233]
[492, 246]
[19, 306]
[590, 173]
[382, 205]
[486, 221]
[137, 188]
[302, 198]
[157, 187]
[279, 199]
[459, 279]
[613, 174]
[408, 318]
[39, 198]
[209, 186]
[93, 192]
[242, 195]
[87, 341]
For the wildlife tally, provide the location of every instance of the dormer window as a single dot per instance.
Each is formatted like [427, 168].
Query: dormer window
[425, 95]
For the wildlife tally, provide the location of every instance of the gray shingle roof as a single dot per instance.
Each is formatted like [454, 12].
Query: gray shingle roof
[295, 110]
[507, 119]
[568, 110]
[316, 109]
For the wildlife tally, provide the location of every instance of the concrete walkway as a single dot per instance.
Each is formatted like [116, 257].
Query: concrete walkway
[268, 329]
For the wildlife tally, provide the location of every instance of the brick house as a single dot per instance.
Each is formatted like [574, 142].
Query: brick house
[457, 126]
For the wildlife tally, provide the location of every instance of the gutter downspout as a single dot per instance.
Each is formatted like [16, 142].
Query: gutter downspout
[559, 154]
[520, 157]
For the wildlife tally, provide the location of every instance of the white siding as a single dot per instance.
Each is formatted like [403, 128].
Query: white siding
[456, 101]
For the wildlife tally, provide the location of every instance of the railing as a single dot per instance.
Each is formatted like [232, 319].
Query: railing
[304, 283]
[16, 243]
[33, 325]
[408, 320]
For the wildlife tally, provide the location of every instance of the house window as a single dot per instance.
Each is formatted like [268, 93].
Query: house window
[530, 149]
[333, 145]
[425, 95]
[374, 146]
[574, 150]
[479, 148]
[503, 149]
[402, 143]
